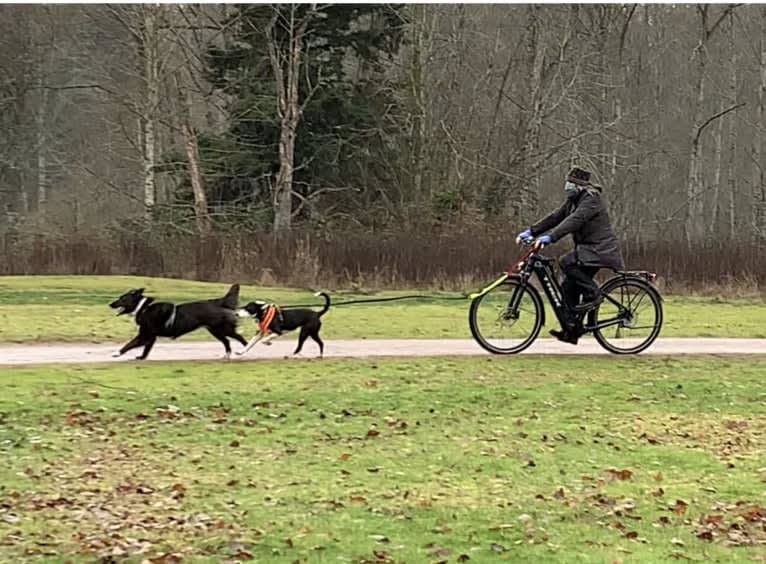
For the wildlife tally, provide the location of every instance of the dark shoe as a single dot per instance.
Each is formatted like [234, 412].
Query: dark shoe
[565, 336]
[589, 305]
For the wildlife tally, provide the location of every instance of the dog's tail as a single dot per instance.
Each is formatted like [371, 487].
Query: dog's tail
[230, 300]
[326, 303]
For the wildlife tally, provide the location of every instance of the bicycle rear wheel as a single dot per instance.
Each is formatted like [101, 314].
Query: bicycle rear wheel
[636, 309]
[500, 328]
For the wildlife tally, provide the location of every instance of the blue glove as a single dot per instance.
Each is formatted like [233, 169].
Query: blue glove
[542, 241]
[525, 236]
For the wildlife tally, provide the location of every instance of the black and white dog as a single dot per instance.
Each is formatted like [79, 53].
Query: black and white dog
[273, 322]
[164, 319]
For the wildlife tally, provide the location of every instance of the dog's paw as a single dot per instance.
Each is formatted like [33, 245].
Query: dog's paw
[116, 354]
[226, 356]
[267, 343]
[240, 353]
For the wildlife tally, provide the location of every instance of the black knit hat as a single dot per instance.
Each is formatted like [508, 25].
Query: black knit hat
[579, 176]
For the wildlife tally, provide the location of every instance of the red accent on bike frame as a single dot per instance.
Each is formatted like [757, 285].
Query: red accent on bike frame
[520, 262]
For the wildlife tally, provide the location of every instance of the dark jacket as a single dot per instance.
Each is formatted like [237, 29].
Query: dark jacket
[586, 217]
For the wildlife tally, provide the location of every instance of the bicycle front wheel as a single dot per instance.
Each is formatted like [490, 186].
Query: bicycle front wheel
[508, 318]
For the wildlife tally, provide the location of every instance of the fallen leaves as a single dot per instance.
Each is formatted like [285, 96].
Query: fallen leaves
[746, 525]
[726, 438]
[117, 498]
[381, 556]
[620, 474]
[680, 507]
[438, 551]
[164, 558]
[82, 418]
[677, 542]
[177, 491]
[168, 412]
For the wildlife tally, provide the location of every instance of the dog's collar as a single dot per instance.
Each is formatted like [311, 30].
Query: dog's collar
[138, 309]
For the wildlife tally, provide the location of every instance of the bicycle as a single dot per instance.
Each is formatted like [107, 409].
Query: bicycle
[500, 309]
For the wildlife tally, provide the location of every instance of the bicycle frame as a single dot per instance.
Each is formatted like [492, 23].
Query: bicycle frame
[542, 268]
[533, 263]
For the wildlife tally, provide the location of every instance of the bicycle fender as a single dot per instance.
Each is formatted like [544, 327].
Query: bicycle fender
[636, 279]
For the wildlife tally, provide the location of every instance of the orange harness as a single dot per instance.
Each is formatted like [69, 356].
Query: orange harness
[268, 317]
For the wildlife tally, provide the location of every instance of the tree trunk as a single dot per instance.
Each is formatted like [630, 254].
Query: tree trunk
[536, 53]
[418, 98]
[732, 174]
[183, 83]
[151, 80]
[694, 220]
[759, 193]
[713, 228]
[42, 149]
[283, 188]
[197, 180]
[289, 110]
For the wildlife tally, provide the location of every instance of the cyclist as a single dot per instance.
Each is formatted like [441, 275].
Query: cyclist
[584, 214]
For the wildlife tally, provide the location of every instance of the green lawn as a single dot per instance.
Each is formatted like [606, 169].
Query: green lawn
[52, 308]
[493, 460]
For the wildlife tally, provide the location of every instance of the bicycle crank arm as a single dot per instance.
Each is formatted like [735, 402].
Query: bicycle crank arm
[491, 286]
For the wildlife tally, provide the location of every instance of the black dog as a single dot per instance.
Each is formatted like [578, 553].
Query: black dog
[273, 322]
[163, 319]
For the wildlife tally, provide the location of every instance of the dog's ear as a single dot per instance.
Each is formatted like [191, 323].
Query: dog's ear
[140, 291]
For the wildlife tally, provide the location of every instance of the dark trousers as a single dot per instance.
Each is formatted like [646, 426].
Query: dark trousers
[577, 280]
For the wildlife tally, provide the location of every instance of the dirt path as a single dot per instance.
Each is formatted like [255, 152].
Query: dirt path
[86, 353]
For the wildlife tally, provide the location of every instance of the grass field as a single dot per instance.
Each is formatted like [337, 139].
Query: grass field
[493, 460]
[51, 308]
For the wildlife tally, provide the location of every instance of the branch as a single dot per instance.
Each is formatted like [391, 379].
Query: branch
[307, 199]
[70, 87]
[625, 27]
[729, 8]
[715, 117]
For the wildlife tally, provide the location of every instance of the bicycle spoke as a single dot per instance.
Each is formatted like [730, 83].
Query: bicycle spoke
[639, 302]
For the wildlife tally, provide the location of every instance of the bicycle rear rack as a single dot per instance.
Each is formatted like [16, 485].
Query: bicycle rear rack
[645, 274]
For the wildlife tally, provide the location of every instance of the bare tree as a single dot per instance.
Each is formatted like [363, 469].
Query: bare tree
[695, 226]
[286, 63]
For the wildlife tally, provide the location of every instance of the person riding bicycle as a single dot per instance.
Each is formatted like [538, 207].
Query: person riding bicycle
[584, 214]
